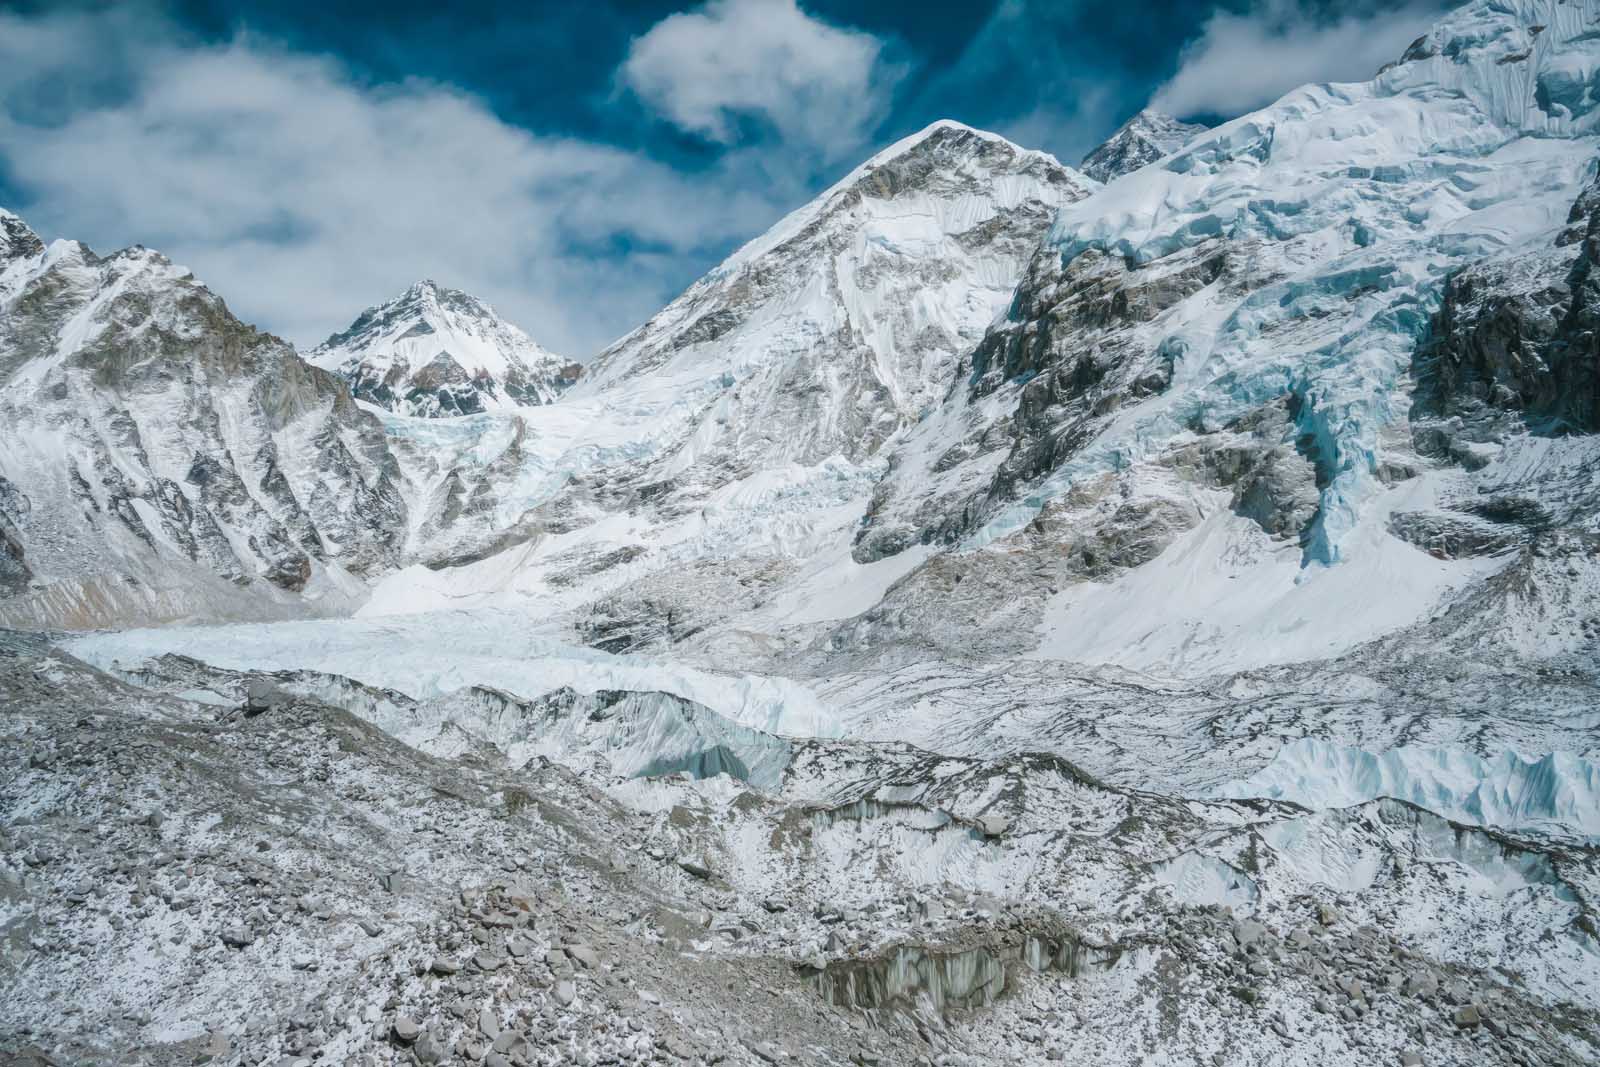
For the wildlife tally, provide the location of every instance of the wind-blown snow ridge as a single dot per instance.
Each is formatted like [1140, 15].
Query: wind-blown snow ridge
[1554, 792]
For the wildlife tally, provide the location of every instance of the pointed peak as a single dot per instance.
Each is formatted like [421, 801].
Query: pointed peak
[1146, 137]
[939, 133]
[16, 239]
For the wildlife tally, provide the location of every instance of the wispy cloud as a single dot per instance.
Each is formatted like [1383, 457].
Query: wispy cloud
[1244, 61]
[710, 70]
[302, 194]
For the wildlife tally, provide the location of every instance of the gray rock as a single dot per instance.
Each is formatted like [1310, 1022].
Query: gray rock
[443, 966]
[696, 867]
[488, 1025]
[565, 993]
[1420, 984]
[238, 936]
[584, 955]
[431, 1049]
[1468, 1017]
[406, 1030]
[260, 695]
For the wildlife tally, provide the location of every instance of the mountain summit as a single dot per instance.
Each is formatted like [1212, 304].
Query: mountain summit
[434, 351]
[1140, 141]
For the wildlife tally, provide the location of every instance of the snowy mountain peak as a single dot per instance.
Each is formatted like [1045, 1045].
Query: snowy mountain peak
[16, 239]
[437, 351]
[1140, 141]
[845, 321]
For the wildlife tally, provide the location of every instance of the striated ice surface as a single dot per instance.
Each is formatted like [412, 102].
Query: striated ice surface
[1557, 792]
[1357, 202]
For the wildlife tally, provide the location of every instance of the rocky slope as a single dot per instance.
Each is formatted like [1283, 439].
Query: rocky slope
[437, 352]
[1143, 139]
[161, 460]
[253, 874]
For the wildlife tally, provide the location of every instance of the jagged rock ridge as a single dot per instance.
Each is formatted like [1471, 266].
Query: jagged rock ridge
[1143, 139]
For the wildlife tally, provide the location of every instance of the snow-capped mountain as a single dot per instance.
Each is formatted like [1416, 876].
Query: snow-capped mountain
[844, 322]
[161, 460]
[1000, 616]
[434, 352]
[1148, 136]
[750, 415]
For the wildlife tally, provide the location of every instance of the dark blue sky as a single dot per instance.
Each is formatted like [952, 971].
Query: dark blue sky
[575, 163]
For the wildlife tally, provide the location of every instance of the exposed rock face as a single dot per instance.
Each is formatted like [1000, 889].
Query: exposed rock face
[1518, 334]
[152, 444]
[1143, 139]
[437, 352]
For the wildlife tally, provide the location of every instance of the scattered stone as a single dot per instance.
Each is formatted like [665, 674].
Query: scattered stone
[443, 966]
[565, 993]
[584, 955]
[1468, 1017]
[238, 936]
[696, 867]
[430, 1049]
[406, 1030]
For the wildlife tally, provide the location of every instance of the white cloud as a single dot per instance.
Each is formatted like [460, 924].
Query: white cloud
[1244, 61]
[301, 195]
[731, 60]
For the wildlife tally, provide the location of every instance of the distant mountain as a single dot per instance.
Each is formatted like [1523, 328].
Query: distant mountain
[436, 352]
[1142, 140]
[162, 461]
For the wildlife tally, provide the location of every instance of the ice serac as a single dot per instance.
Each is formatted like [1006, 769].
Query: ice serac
[161, 460]
[1556, 792]
[437, 352]
[1215, 356]
[1148, 136]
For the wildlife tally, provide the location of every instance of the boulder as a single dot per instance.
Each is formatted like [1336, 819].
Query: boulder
[405, 1030]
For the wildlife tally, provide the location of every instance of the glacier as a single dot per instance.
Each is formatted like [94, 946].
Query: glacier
[998, 615]
[1555, 793]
